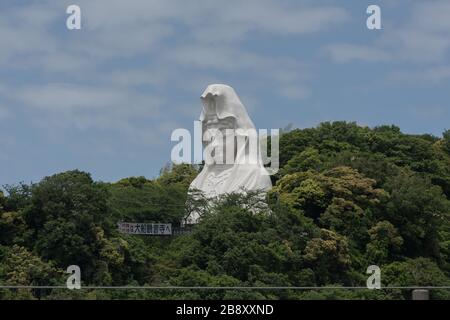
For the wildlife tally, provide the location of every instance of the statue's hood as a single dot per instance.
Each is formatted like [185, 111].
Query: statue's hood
[227, 103]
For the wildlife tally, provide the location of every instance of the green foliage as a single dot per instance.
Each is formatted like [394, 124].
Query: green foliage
[2, 201]
[21, 268]
[416, 272]
[147, 202]
[67, 213]
[13, 228]
[308, 159]
[418, 209]
[328, 254]
[446, 141]
[18, 197]
[181, 174]
[384, 242]
[345, 197]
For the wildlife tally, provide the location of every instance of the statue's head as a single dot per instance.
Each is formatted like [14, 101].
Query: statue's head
[226, 127]
[212, 119]
[222, 107]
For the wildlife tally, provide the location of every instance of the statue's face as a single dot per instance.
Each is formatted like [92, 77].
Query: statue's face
[223, 137]
[213, 122]
[220, 134]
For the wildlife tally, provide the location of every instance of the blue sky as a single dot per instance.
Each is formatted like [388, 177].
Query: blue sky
[106, 98]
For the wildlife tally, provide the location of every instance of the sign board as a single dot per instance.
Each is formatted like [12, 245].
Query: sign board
[154, 229]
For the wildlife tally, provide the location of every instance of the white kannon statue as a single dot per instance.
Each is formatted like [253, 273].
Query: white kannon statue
[235, 164]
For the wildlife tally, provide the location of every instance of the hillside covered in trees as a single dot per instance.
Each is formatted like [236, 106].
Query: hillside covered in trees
[345, 197]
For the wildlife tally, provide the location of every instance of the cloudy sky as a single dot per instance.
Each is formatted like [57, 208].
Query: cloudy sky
[105, 99]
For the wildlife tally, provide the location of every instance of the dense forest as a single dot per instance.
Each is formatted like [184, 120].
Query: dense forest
[345, 197]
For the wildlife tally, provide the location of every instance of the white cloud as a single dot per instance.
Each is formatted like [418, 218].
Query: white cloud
[236, 20]
[432, 16]
[23, 31]
[415, 46]
[344, 53]
[85, 107]
[282, 72]
[93, 78]
[227, 58]
[419, 46]
[295, 92]
[438, 74]
[114, 29]
[280, 17]
[423, 36]
[146, 76]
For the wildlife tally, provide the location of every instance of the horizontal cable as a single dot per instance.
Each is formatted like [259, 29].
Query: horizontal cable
[219, 288]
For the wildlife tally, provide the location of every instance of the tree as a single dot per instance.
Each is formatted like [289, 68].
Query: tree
[385, 241]
[446, 138]
[418, 209]
[2, 201]
[182, 174]
[328, 255]
[21, 268]
[346, 218]
[415, 272]
[149, 201]
[18, 197]
[66, 213]
[13, 229]
[313, 192]
[309, 159]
